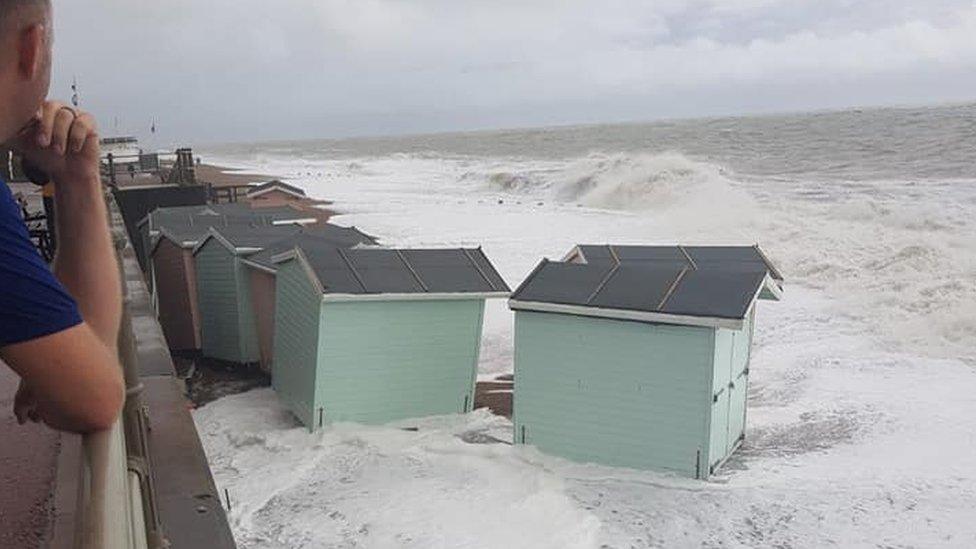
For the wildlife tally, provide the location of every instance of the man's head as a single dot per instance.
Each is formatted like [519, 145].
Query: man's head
[25, 61]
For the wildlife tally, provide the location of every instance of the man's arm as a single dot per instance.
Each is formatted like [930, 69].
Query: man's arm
[85, 261]
[71, 378]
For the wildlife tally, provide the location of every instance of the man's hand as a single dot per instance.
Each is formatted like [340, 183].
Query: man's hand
[25, 405]
[62, 142]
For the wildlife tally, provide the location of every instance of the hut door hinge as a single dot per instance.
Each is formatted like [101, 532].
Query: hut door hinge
[321, 417]
[716, 396]
[467, 398]
[522, 437]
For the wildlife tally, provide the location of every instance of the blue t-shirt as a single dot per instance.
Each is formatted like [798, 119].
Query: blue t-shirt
[33, 303]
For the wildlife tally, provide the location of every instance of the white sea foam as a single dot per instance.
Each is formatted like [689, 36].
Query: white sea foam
[861, 406]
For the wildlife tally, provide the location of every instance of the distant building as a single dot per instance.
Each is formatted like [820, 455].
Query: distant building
[124, 149]
[638, 356]
[377, 335]
[275, 193]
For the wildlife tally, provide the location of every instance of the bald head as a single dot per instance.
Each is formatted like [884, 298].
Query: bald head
[25, 61]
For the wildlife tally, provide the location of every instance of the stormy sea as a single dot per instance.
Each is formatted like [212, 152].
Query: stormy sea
[861, 427]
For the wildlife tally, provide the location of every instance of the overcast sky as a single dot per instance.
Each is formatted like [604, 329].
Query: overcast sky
[247, 70]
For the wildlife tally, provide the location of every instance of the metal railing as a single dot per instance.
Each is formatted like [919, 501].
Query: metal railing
[116, 507]
[109, 500]
[175, 168]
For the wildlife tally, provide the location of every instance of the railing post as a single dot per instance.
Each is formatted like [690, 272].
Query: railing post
[111, 168]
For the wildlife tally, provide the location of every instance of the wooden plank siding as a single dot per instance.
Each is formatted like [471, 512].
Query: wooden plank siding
[263, 304]
[175, 298]
[296, 342]
[247, 328]
[383, 361]
[614, 392]
[226, 319]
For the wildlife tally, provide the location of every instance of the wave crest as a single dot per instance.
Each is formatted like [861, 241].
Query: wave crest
[621, 181]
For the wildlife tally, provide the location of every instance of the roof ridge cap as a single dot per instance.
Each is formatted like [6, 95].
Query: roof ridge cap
[603, 283]
[674, 285]
[410, 268]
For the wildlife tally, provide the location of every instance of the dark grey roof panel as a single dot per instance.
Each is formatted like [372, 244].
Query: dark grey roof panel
[251, 236]
[312, 237]
[332, 270]
[345, 237]
[447, 271]
[714, 293]
[386, 271]
[566, 283]
[597, 254]
[383, 271]
[710, 281]
[636, 286]
[730, 257]
[481, 260]
[744, 258]
[667, 254]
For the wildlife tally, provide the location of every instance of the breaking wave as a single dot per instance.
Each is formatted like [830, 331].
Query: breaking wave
[632, 182]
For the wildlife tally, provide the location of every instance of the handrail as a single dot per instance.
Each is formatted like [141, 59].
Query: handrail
[114, 485]
[105, 510]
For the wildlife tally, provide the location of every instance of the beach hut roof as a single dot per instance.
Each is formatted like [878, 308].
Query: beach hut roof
[160, 217]
[275, 185]
[325, 235]
[703, 286]
[187, 230]
[363, 273]
[247, 239]
[730, 258]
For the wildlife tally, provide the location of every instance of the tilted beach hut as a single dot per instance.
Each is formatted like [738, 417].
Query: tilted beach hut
[377, 335]
[223, 289]
[171, 276]
[638, 356]
[261, 275]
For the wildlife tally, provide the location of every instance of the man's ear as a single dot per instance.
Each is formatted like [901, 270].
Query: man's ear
[32, 43]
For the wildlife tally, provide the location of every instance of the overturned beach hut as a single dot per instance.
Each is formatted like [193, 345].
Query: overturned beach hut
[261, 276]
[638, 356]
[377, 335]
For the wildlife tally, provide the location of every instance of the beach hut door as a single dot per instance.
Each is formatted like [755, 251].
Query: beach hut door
[718, 443]
[737, 390]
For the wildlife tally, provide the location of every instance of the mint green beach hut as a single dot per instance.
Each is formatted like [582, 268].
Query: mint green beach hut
[378, 335]
[638, 356]
[228, 325]
[223, 289]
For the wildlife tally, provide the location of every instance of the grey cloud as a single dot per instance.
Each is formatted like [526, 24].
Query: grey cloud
[250, 69]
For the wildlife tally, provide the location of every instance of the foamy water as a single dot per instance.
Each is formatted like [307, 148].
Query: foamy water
[862, 419]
